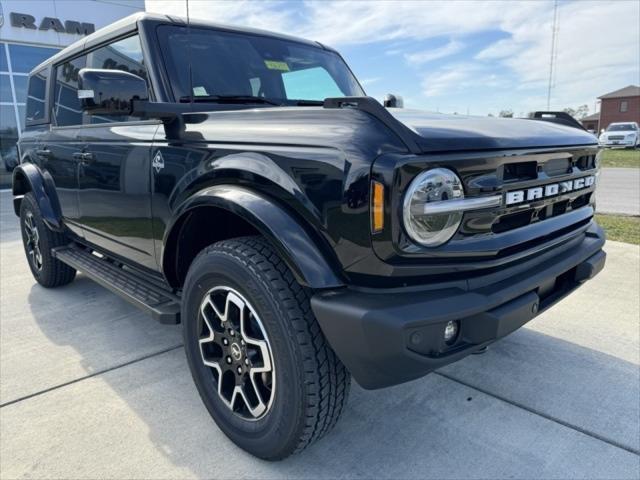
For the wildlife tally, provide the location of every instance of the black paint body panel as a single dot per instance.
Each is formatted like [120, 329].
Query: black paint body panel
[301, 177]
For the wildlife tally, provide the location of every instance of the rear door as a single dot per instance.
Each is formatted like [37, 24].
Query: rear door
[58, 145]
[115, 167]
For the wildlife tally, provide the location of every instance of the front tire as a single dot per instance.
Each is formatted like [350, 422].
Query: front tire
[38, 240]
[248, 327]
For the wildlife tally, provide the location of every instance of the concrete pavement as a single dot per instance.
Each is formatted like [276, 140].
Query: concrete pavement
[92, 388]
[619, 191]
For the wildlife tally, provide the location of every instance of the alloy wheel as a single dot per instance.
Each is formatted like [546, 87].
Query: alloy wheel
[235, 347]
[33, 241]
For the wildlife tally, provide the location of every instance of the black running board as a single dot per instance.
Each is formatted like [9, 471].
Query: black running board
[162, 304]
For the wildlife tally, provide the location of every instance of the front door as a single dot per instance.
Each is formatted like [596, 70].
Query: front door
[115, 189]
[114, 173]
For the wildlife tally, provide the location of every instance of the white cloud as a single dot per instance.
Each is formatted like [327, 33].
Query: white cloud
[419, 58]
[369, 81]
[500, 49]
[458, 78]
[598, 48]
[598, 41]
[271, 15]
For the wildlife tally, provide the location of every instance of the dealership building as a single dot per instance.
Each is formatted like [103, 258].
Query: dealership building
[30, 32]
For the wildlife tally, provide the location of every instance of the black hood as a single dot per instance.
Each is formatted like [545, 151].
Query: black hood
[436, 132]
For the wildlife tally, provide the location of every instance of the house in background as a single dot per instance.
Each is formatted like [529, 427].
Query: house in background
[620, 106]
[590, 122]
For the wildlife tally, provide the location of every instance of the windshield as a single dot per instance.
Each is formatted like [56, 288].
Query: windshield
[621, 127]
[251, 68]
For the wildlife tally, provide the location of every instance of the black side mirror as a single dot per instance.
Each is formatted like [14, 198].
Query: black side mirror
[109, 92]
[393, 101]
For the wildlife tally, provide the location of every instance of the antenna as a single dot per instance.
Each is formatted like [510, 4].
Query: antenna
[554, 48]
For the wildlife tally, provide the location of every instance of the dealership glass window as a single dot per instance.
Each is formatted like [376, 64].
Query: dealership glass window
[124, 55]
[16, 61]
[25, 58]
[67, 109]
[5, 88]
[8, 137]
[624, 106]
[4, 65]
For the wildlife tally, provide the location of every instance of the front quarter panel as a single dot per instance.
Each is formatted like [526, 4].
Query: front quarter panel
[314, 163]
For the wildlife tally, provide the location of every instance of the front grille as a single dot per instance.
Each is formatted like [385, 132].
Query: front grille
[616, 137]
[532, 215]
[517, 172]
[530, 172]
[489, 234]
[557, 166]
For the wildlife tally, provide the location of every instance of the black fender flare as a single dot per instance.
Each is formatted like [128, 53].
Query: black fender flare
[27, 177]
[294, 244]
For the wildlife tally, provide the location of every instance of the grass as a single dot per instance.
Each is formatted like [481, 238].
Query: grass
[620, 158]
[621, 228]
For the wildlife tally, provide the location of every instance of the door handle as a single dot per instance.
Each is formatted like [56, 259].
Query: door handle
[84, 157]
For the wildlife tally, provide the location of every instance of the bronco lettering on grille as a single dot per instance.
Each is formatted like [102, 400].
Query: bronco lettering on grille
[550, 190]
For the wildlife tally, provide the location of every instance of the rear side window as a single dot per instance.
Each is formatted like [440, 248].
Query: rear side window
[66, 105]
[37, 96]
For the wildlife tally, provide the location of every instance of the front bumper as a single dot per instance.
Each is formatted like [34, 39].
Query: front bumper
[618, 143]
[396, 335]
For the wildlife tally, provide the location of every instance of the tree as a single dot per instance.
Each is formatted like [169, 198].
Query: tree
[506, 113]
[580, 112]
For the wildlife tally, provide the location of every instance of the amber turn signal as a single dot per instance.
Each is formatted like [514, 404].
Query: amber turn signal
[377, 207]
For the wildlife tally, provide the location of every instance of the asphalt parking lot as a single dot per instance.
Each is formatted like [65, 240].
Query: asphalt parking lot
[92, 388]
[619, 191]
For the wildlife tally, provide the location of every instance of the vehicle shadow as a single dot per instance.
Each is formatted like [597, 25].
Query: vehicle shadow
[434, 427]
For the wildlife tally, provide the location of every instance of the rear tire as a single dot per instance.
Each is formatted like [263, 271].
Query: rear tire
[38, 240]
[304, 389]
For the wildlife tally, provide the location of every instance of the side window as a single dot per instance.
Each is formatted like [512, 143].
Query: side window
[311, 84]
[36, 96]
[66, 106]
[124, 55]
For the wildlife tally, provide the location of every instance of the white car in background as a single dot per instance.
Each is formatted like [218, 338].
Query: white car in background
[622, 134]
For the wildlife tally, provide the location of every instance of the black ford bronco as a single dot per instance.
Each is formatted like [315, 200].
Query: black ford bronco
[241, 183]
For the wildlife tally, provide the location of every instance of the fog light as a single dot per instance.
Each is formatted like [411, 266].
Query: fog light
[451, 331]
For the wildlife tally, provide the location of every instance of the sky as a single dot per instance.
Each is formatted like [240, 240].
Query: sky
[476, 57]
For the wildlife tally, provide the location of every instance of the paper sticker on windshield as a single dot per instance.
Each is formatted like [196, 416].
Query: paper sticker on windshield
[274, 65]
[200, 91]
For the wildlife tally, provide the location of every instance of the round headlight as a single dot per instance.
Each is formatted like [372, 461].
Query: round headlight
[426, 225]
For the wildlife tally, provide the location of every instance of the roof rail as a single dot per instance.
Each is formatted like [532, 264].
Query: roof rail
[562, 118]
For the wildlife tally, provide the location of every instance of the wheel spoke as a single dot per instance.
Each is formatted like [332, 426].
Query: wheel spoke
[244, 361]
[257, 410]
[32, 241]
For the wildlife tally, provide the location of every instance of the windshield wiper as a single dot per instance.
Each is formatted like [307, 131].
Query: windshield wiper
[228, 99]
[309, 103]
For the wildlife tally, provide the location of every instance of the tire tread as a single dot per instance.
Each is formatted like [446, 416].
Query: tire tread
[326, 379]
[54, 273]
